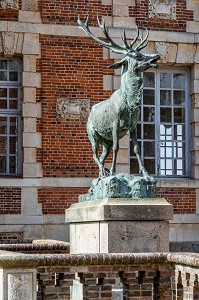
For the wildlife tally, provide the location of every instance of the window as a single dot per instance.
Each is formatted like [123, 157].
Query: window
[10, 117]
[163, 127]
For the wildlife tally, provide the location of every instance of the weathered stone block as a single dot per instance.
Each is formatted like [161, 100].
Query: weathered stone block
[30, 125]
[124, 22]
[120, 10]
[186, 53]
[32, 140]
[29, 110]
[29, 94]
[192, 26]
[30, 155]
[29, 16]
[124, 2]
[31, 44]
[32, 170]
[107, 82]
[116, 82]
[123, 156]
[30, 79]
[29, 63]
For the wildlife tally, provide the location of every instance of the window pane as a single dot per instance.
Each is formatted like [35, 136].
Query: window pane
[149, 97]
[3, 64]
[179, 132]
[14, 64]
[139, 131]
[179, 98]
[165, 115]
[179, 115]
[13, 145]
[13, 76]
[2, 164]
[3, 144]
[178, 81]
[166, 132]
[165, 98]
[165, 80]
[3, 93]
[13, 104]
[149, 149]
[13, 93]
[3, 76]
[150, 165]
[3, 104]
[149, 114]
[13, 125]
[3, 125]
[149, 131]
[13, 165]
[149, 79]
[134, 166]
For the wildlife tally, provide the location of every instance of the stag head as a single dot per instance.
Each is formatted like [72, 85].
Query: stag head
[138, 61]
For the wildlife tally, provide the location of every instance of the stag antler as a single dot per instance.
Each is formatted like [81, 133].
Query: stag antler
[111, 45]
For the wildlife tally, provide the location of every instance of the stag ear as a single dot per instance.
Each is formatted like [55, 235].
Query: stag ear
[118, 64]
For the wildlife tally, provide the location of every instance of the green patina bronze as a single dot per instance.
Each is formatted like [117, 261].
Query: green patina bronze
[110, 120]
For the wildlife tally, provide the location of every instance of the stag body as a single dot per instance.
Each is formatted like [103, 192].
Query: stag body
[110, 120]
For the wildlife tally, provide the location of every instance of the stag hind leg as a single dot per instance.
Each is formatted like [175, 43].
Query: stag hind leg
[136, 149]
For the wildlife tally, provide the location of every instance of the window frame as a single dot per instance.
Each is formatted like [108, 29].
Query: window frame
[16, 113]
[157, 89]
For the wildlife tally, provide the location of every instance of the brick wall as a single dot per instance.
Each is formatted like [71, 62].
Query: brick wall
[182, 199]
[66, 12]
[104, 282]
[56, 200]
[10, 14]
[182, 16]
[11, 237]
[10, 199]
[72, 68]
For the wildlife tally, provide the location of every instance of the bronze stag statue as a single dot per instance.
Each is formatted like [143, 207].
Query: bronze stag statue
[110, 120]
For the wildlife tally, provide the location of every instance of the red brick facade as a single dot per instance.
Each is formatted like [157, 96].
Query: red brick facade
[182, 16]
[10, 199]
[72, 67]
[182, 199]
[56, 200]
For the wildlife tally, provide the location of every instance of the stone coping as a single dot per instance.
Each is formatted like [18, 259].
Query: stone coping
[37, 246]
[188, 259]
[18, 260]
[8, 260]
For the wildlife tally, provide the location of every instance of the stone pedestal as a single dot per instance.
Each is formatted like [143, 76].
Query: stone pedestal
[119, 225]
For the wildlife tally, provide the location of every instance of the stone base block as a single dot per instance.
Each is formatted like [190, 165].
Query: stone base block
[119, 226]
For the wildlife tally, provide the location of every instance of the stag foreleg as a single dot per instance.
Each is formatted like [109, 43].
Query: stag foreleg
[93, 137]
[136, 149]
[115, 135]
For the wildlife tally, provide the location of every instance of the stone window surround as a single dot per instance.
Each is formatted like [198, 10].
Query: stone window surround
[26, 45]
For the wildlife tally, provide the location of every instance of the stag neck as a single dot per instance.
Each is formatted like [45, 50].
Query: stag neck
[131, 87]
